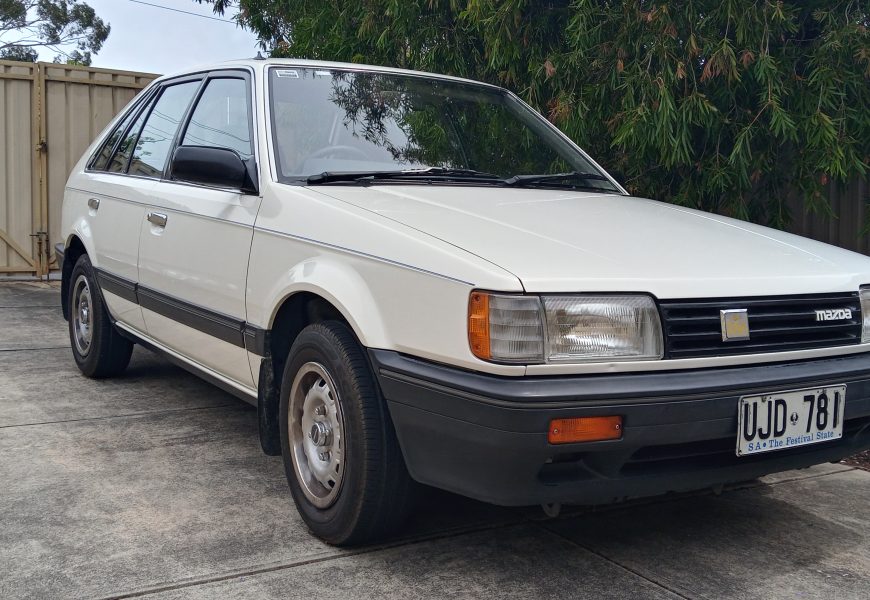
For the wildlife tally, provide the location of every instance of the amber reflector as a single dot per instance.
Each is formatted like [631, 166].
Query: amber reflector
[478, 325]
[584, 429]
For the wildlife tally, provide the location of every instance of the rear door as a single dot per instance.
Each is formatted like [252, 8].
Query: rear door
[196, 240]
[115, 206]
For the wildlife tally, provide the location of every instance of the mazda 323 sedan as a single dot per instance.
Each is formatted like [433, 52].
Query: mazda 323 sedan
[417, 278]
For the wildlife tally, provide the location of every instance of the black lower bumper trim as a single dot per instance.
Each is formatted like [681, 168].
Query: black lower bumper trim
[485, 436]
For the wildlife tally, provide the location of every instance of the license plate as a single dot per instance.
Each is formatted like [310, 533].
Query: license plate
[783, 420]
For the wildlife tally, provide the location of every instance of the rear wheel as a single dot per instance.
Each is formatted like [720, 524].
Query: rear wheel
[99, 350]
[341, 457]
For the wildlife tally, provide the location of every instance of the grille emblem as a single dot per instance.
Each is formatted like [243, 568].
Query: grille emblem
[836, 314]
[735, 324]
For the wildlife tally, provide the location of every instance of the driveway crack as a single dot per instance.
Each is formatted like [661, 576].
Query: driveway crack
[321, 558]
[619, 565]
[122, 416]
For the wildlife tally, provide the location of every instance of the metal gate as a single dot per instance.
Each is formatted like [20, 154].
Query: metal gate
[49, 114]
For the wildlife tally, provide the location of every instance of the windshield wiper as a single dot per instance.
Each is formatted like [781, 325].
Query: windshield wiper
[432, 173]
[519, 180]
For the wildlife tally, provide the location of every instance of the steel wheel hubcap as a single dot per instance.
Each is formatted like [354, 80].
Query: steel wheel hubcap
[316, 429]
[83, 317]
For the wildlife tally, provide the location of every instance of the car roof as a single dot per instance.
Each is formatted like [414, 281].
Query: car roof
[261, 63]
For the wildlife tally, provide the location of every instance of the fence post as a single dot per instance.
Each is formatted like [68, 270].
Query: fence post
[42, 148]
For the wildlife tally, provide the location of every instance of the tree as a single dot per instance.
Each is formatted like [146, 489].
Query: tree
[725, 105]
[71, 29]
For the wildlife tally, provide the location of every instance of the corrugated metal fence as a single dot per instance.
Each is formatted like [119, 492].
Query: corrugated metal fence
[49, 114]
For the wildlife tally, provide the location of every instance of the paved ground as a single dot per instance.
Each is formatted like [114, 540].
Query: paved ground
[154, 484]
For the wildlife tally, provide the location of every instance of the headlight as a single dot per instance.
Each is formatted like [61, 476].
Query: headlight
[865, 314]
[559, 329]
[582, 328]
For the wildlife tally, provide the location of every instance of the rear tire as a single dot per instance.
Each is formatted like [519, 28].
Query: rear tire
[341, 456]
[99, 350]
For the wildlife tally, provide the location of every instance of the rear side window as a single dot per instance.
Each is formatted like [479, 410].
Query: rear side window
[118, 163]
[155, 141]
[102, 158]
[222, 117]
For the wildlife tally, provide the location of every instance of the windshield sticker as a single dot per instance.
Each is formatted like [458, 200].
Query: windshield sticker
[323, 73]
[292, 74]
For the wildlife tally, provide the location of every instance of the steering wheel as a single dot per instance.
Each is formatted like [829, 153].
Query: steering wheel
[329, 151]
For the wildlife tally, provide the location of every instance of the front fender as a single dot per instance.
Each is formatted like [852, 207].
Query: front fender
[341, 286]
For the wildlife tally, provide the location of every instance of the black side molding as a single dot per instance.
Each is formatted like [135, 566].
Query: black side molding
[117, 285]
[215, 324]
[257, 340]
[224, 327]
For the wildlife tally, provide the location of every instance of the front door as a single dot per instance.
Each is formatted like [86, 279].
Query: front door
[195, 242]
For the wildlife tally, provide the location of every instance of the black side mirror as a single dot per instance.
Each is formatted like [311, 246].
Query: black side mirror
[220, 167]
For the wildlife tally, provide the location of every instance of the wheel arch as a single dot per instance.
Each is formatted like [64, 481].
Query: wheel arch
[73, 249]
[297, 310]
[317, 292]
[320, 289]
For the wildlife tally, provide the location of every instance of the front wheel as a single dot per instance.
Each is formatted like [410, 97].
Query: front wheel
[341, 457]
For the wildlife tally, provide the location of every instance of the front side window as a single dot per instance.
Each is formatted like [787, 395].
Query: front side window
[222, 117]
[155, 141]
[328, 121]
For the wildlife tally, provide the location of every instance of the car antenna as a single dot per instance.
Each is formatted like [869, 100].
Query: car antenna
[259, 56]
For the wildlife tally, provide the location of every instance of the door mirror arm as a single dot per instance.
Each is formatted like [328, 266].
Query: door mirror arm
[251, 185]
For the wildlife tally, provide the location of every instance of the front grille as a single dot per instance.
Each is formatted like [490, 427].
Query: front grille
[693, 328]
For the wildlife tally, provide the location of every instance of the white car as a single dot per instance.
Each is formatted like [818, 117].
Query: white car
[417, 278]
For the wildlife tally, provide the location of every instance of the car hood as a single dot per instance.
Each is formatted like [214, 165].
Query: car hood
[568, 241]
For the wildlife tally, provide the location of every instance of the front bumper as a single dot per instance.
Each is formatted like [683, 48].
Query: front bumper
[485, 436]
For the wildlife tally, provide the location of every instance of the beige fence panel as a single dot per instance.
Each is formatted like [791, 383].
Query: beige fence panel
[18, 178]
[51, 113]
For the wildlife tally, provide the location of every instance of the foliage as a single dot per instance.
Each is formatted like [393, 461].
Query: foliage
[726, 105]
[69, 28]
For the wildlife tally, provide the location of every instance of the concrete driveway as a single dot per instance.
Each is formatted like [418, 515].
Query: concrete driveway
[154, 484]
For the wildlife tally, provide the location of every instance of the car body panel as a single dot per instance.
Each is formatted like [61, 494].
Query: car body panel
[572, 241]
[112, 229]
[382, 277]
[210, 273]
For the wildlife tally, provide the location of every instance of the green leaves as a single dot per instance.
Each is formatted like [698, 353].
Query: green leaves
[70, 28]
[727, 105]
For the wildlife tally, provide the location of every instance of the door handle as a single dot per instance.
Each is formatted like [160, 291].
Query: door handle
[157, 219]
[94, 203]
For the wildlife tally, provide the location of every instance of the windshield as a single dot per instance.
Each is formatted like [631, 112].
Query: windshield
[333, 121]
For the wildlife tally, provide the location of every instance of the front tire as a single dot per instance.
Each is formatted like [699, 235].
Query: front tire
[341, 456]
[99, 350]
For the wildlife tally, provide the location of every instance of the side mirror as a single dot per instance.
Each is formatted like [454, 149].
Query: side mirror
[220, 167]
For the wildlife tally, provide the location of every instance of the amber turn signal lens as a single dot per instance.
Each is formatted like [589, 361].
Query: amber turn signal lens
[478, 325]
[584, 429]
